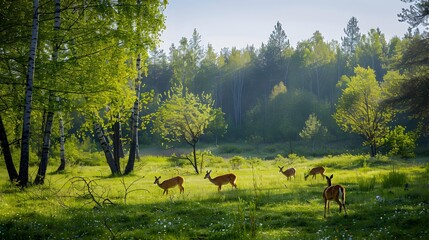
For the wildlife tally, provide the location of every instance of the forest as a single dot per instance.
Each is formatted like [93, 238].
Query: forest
[87, 97]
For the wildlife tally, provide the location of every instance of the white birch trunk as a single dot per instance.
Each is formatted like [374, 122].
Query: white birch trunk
[62, 147]
[106, 149]
[25, 140]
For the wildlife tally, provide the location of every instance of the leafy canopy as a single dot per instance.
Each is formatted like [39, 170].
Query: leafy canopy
[359, 109]
[184, 116]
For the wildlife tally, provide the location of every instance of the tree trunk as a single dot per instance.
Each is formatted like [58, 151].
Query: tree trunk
[25, 140]
[195, 164]
[40, 178]
[373, 148]
[57, 24]
[62, 166]
[106, 149]
[117, 146]
[11, 170]
[134, 123]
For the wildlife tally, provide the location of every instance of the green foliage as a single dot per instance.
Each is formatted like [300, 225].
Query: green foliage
[215, 161]
[402, 143]
[366, 184]
[284, 115]
[83, 152]
[237, 161]
[265, 205]
[277, 90]
[183, 116]
[218, 126]
[394, 179]
[294, 157]
[313, 128]
[229, 149]
[359, 110]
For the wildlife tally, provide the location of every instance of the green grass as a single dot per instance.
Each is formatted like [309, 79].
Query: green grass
[265, 205]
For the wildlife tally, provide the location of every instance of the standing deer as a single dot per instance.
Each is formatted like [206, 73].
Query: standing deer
[222, 180]
[315, 171]
[288, 172]
[170, 183]
[334, 193]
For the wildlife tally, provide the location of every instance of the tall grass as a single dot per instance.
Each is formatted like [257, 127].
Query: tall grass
[394, 179]
[265, 205]
[366, 184]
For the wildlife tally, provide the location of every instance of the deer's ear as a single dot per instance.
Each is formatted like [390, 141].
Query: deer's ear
[332, 176]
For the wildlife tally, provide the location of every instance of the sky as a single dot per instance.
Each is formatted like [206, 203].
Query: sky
[241, 23]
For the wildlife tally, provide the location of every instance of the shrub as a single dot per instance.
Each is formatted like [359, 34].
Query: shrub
[178, 161]
[279, 159]
[237, 161]
[402, 143]
[394, 179]
[212, 161]
[255, 161]
[295, 157]
[83, 152]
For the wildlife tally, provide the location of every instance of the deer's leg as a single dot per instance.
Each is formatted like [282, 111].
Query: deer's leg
[339, 203]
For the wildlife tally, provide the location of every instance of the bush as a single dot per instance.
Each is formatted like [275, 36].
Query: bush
[394, 179]
[295, 157]
[83, 152]
[178, 161]
[212, 161]
[402, 143]
[237, 161]
[255, 161]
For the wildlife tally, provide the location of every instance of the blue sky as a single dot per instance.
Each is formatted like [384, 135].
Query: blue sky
[238, 23]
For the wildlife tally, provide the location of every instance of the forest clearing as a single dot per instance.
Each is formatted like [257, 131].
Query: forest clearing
[107, 134]
[85, 202]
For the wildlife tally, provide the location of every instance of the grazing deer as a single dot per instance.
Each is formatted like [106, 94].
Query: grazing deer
[170, 183]
[288, 172]
[222, 180]
[334, 193]
[315, 171]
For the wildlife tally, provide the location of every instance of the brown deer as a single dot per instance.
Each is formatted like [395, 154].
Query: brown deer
[334, 193]
[288, 172]
[222, 180]
[314, 171]
[170, 183]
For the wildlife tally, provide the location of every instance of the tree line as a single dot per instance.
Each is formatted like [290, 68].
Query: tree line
[316, 90]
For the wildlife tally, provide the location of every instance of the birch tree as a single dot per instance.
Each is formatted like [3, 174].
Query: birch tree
[25, 140]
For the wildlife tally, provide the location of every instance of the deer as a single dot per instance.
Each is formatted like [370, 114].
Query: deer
[334, 193]
[170, 183]
[288, 172]
[222, 180]
[315, 171]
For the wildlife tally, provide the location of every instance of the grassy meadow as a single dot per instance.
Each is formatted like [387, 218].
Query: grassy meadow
[85, 202]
